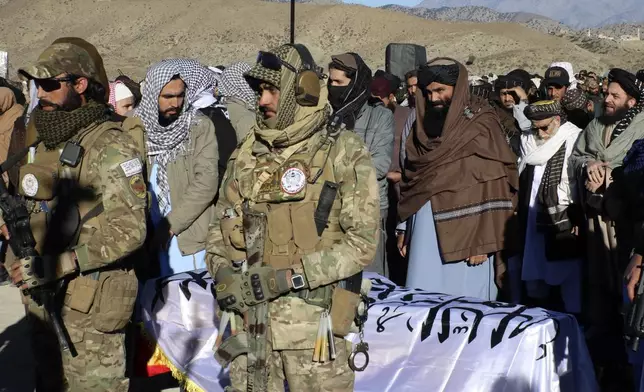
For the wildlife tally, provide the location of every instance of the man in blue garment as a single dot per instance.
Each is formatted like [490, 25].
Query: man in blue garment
[458, 191]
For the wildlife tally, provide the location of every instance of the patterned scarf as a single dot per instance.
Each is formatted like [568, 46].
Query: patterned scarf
[552, 216]
[233, 84]
[58, 126]
[164, 144]
[632, 112]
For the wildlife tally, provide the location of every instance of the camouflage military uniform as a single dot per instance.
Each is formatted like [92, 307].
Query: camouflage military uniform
[98, 304]
[346, 246]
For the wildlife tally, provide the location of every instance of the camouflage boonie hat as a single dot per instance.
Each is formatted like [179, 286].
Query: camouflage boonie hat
[261, 73]
[61, 58]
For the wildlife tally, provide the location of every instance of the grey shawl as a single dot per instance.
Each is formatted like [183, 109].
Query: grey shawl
[590, 145]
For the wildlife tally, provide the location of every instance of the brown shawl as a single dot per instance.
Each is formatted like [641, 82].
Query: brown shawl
[469, 174]
[10, 111]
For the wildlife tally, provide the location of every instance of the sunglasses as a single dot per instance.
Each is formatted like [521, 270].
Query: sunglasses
[53, 84]
[544, 128]
[273, 62]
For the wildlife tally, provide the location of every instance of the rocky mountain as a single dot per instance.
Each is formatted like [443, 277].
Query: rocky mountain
[131, 35]
[574, 13]
[482, 15]
[319, 2]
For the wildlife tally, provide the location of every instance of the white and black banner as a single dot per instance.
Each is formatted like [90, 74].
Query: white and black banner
[418, 341]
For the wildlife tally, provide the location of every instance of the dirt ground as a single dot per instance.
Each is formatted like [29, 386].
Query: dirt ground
[16, 361]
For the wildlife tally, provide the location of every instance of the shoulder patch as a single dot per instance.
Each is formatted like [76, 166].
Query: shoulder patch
[132, 167]
[137, 186]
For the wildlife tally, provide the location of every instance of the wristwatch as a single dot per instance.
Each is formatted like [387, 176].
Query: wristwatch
[297, 281]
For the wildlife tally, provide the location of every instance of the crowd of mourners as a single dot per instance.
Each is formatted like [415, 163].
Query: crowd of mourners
[521, 187]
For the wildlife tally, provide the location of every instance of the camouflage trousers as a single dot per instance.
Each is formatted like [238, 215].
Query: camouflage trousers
[296, 368]
[99, 366]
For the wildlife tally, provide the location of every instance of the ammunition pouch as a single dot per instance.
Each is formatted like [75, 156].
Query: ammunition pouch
[344, 308]
[38, 181]
[342, 302]
[80, 293]
[114, 301]
[232, 230]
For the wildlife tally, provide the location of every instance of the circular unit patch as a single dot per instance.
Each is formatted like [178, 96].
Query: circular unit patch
[293, 181]
[29, 185]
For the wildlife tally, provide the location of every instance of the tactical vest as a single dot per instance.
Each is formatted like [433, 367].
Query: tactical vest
[291, 230]
[38, 180]
[108, 296]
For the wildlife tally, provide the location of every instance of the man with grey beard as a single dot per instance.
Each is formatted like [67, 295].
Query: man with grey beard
[547, 202]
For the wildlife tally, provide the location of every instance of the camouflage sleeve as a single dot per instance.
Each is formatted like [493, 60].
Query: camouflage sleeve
[215, 247]
[115, 168]
[359, 217]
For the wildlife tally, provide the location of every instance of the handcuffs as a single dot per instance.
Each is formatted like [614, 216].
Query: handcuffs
[362, 347]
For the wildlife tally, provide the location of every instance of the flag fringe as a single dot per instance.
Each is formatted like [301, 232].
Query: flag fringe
[159, 358]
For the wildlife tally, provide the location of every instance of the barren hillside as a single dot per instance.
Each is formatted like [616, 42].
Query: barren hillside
[132, 34]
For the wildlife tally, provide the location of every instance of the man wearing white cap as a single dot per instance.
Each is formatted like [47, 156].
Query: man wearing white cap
[121, 98]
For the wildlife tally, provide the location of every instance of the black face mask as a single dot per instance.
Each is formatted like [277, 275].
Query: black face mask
[374, 101]
[338, 95]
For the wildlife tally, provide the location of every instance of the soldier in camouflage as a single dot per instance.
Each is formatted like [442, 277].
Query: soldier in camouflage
[101, 287]
[279, 172]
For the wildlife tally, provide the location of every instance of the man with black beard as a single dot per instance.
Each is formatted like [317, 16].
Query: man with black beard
[458, 188]
[597, 161]
[348, 85]
[183, 153]
[80, 144]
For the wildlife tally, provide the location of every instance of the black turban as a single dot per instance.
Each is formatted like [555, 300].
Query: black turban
[515, 78]
[543, 110]
[626, 80]
[443, 74]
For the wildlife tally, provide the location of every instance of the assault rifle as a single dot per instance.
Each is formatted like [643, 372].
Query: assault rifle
[635, 318]
[22, 243]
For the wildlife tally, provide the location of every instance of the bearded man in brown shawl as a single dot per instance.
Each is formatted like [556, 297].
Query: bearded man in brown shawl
[459, 189]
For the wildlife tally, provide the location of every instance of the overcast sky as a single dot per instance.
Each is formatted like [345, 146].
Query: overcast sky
[377, 3]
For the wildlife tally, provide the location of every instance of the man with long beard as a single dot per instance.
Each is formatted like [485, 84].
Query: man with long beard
[79, 142]
[550, 256]
[598, 153]
[458, 187]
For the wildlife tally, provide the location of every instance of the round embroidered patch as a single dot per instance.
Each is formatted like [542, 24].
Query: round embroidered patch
[138, 186]
[29, 185]
[293, 181]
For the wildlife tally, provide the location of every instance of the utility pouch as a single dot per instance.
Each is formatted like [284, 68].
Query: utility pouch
[80, 293]
[232, 230]
[344, 307]
[114, 301]
[38, 181]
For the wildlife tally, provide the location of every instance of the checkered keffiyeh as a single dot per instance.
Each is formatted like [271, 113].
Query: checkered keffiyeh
[233, 84]
[165, 143]
[285, 82]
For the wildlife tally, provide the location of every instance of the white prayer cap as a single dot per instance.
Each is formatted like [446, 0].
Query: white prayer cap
[121, 92]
